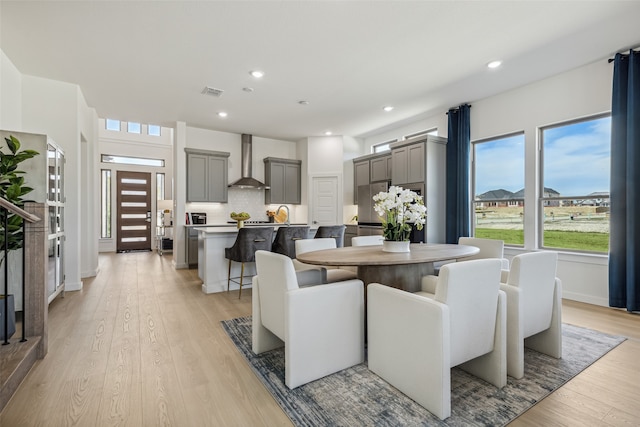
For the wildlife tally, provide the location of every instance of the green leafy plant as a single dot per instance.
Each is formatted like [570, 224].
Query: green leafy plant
[13, 189]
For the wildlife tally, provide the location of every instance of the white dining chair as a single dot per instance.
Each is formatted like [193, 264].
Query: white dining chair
[331, 274]
[534, 308]
[366, 240]
[321, 327]
[414, 341]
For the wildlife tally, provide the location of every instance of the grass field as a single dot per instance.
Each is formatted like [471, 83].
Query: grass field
[579, 240]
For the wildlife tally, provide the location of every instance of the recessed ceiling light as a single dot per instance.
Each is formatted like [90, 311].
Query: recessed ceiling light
[494, 64]
[257, 74]
[387, 108]
[328, 133]
[247, 89]
[222, 114]
[303, 102]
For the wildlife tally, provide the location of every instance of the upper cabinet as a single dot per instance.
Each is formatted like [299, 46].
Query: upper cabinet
[283, 177]
[408, 164]
[410, 159]
[368, 169]
[360, 176]
[207, 173]
[380, 168]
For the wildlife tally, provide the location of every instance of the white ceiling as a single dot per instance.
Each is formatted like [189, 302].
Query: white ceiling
[149, 61]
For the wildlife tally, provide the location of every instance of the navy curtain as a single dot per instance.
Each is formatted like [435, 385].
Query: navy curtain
[624, 237]
[458, 195]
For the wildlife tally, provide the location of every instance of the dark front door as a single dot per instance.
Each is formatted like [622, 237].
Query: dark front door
[134, 211]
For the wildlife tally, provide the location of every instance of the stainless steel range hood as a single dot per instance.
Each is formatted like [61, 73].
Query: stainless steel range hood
[247, 181]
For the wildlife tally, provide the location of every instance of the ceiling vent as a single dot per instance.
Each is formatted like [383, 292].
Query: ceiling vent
[208, 90]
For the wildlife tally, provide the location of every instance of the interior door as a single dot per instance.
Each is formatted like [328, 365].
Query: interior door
[133, 211]
[325, 201]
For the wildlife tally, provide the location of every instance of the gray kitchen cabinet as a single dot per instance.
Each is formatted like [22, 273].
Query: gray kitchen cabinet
[283, 177]
[381, 168]
[191, 247]
[408, 164]
[420, 164]
[360, 176]
[207, 173]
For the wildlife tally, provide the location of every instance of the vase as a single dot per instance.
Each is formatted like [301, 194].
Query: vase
[395, 246]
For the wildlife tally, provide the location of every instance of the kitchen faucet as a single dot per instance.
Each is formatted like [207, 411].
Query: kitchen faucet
[287, 209]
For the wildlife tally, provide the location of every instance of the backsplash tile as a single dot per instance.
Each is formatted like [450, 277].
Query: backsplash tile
[240, 200]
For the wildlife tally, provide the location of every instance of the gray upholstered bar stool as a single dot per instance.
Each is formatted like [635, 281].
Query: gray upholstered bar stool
[335, 231]
[285, 241]
[249, 240]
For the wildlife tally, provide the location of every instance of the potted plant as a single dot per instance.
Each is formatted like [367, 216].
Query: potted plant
[12, 189]
[399, 208]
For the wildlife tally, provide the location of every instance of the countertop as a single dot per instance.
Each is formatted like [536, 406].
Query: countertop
[221, 229]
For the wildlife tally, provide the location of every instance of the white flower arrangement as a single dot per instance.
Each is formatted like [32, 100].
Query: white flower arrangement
[398, 208]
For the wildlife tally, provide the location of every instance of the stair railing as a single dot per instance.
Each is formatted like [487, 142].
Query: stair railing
[9, 207]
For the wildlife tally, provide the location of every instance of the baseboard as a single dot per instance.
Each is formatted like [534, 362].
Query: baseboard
[90, 273]
[213, 288]
[77, 286]
[588, 299]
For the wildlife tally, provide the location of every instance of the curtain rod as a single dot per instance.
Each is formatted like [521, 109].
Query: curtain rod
[457, 108]
[610, 60]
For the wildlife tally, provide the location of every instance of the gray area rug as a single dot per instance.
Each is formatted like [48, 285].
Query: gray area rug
[356, 396]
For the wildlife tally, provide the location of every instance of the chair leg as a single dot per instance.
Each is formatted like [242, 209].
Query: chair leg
[241, 278]
[229, 276]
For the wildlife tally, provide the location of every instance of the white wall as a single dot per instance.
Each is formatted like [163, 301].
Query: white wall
[10, 95]
[90, 221]
[352, 148]
[578, 93]
[51, 107]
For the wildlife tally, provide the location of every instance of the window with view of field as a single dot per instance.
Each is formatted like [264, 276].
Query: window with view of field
[575, 177]
[498, 188]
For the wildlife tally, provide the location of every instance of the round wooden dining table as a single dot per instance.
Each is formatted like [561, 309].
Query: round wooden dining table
[402, 270]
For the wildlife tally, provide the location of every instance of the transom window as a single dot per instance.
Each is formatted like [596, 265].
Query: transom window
[133, 127]
[124, 160]
[112, 124]
[383, 146]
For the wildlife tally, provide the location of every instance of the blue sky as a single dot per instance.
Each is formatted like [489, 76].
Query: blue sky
[576, 160]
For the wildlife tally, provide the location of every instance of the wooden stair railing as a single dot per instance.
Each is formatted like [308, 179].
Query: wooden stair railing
[17, 359]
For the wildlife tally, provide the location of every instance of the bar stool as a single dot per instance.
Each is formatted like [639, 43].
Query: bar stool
[335, 231]
[249, 240]
[286, 237]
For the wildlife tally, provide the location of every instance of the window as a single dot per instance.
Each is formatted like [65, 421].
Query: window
[422, 133]
[160, 186]
[383, 146]
[113, 124]
[133, 127]
[124, 160]
[105, 208]
[498, 188]
[153, 130]
[574, 196]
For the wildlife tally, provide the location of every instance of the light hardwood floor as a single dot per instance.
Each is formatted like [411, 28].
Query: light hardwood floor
[141, 345]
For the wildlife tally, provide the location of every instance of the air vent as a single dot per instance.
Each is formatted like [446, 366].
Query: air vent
[208, 90]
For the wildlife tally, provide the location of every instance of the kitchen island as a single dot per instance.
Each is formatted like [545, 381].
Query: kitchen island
[213, 267]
